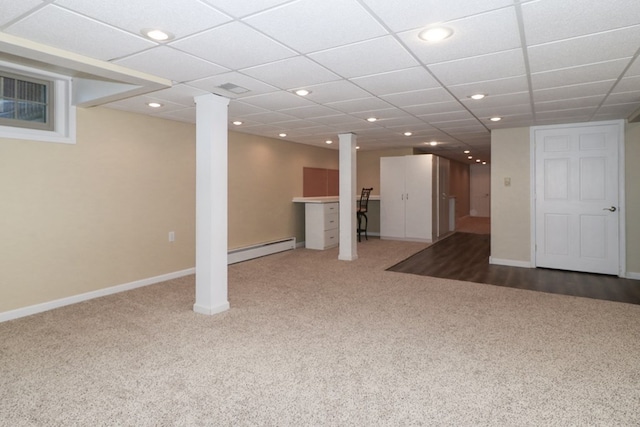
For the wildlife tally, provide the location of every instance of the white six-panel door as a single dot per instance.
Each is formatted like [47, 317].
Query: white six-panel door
[576, 198]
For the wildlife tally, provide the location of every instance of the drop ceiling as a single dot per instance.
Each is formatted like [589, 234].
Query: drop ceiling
[539, 62]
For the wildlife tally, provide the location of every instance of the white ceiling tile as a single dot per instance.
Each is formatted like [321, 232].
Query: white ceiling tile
[470, 37]
[492, 101]
[573, 91]
[412, 14]
[584, 50]
[243, 8]
[341, 90]
[624, 97]
[227, 46]
[339, 120]
[628, 84]
[171, 64]
[577, 114]
[546, 20]
[212, 84]
[634, 69]
[267, 117]
[491, 87]
[397, 81]
[502, 110]
[179, 94]
[418, 97]
[439, 117]
[618, 110]
[179, 18]
[359, 105]
[276, 101]
[609, 70]
[292, 73]
[567, 104]
[492, 66]
[50, 25]
[381, 114]
[437, 107]
[310, 112]
[306, 24]
[357, 59]
[12, 9]
[239, 108]
[138, 104]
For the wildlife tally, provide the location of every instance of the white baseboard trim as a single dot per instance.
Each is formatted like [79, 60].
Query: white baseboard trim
[209, 311]
[510, 262]
[633, 275]
[50, 305]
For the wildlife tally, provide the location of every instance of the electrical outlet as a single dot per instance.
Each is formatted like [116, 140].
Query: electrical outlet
[172, 236]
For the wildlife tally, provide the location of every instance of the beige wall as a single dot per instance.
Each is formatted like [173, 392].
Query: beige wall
[84, 217]
[78, 218]
[510, 206]
[264, 175]
[459, 187]
[632, 183]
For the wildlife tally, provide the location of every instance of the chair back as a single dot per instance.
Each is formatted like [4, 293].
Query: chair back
[363, 203]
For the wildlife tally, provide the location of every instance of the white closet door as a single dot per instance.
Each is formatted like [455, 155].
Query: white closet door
[418, 199]
[577, 208]
[392, 196]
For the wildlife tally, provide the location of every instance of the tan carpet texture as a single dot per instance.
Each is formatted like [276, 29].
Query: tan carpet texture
[314, 341]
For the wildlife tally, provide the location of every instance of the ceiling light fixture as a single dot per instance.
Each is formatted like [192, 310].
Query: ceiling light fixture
[495, 119]
[282, 135]
[154, 104]
[357, 147]
[408, 134]
[372, 119]
[478, 96]
[466, 151]
[477, 160]
[302, 92]
[157, 35]
[469, 157]
[435, 34]
[484, 163]
[237, 122]
[328, 141]
[433, 143]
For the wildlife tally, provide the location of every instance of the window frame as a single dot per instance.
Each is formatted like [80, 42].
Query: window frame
[49, 103]
[62, 112]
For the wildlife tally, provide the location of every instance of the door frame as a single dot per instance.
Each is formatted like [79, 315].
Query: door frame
[622, 252]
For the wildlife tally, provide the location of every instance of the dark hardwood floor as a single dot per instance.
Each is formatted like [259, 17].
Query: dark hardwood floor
[465, 256]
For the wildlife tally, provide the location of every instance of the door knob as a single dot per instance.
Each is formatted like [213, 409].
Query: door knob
[611, 209]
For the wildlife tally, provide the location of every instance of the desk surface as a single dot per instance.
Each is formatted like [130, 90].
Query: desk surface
[326, 199]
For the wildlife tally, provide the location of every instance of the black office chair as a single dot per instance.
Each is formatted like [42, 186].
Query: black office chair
[363, 204]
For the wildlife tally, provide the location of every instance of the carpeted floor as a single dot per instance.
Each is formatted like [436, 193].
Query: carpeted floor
[313, 341]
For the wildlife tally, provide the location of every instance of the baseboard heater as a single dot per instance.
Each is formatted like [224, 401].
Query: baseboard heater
[259, 250]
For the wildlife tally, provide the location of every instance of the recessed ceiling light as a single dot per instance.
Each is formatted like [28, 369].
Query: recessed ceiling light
[495, 119]
[372, 119]
[357, 147]
[154, 104]
[435, 34]
[408, 134]
[477, 96]
[282, 135]
[484, 163]
[433, 143]
[466, 151]
[328, 141]
[157, 35]
[469, 157]
[477, 160]
[303, 92]
[237, 122]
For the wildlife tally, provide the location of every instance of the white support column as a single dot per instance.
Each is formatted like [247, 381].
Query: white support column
[211, 204]
[348, 172]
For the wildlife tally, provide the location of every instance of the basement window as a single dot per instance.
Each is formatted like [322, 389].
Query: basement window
[25, 102]
[35, 105]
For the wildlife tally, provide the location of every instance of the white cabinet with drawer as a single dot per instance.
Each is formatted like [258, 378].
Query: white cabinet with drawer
[322, 225]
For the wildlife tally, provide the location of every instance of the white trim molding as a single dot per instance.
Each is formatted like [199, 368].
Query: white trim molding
[62, 302]
[510, 262]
